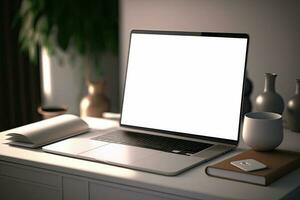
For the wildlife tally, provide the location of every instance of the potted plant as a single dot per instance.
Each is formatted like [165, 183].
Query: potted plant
[79, 28]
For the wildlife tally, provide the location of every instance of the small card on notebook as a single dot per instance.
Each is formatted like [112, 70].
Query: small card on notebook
[248, 165]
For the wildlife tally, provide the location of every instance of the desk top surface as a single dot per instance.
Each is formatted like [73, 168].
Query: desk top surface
[192, 184]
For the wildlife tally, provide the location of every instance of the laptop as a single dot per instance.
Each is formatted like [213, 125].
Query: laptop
[181, 106]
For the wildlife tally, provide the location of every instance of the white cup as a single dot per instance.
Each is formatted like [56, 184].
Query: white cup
[262, 131]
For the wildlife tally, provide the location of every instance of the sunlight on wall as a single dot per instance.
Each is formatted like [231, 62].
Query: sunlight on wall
[85, 103]
[46, 70]
[101, 124]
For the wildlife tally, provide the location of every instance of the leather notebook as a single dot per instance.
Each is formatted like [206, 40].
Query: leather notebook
[278, 164]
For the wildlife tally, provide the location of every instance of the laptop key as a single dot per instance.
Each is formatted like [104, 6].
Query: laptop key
[171, 145]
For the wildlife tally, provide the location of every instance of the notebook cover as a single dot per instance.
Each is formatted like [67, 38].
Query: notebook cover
[279, 163]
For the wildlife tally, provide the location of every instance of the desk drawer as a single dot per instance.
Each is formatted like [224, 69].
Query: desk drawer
[110, 191]
[16, 189]
[30, 174]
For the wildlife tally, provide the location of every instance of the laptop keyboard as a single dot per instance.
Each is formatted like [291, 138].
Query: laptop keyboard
[160, 143]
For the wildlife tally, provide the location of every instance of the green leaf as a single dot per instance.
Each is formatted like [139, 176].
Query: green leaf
[90, 26]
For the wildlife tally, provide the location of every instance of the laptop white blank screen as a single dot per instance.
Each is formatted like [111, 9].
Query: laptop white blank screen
[185, 84]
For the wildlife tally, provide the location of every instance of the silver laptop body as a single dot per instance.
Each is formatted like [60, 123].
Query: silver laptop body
[180, 85]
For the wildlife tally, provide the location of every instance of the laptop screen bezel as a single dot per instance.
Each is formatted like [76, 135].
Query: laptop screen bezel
[189, 135]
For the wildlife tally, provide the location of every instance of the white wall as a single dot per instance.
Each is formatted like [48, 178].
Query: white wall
[273, 25]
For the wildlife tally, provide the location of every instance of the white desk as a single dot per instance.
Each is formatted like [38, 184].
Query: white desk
[33, 174]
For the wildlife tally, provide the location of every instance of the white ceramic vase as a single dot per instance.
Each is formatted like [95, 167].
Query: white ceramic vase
[269, 100]
[263, 131]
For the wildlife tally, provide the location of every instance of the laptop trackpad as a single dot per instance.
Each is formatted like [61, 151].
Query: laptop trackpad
[143, 159]
[117, 153]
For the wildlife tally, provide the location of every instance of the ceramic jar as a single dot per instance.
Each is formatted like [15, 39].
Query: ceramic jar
[262, 131]
[96, 102]
[269, 100]
[293, 110]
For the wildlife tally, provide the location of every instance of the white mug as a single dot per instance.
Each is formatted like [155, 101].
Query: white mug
[262, 131]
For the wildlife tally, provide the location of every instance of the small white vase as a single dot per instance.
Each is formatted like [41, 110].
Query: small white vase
[263, 131]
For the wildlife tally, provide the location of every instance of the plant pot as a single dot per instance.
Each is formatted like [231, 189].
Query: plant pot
[51, 111]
